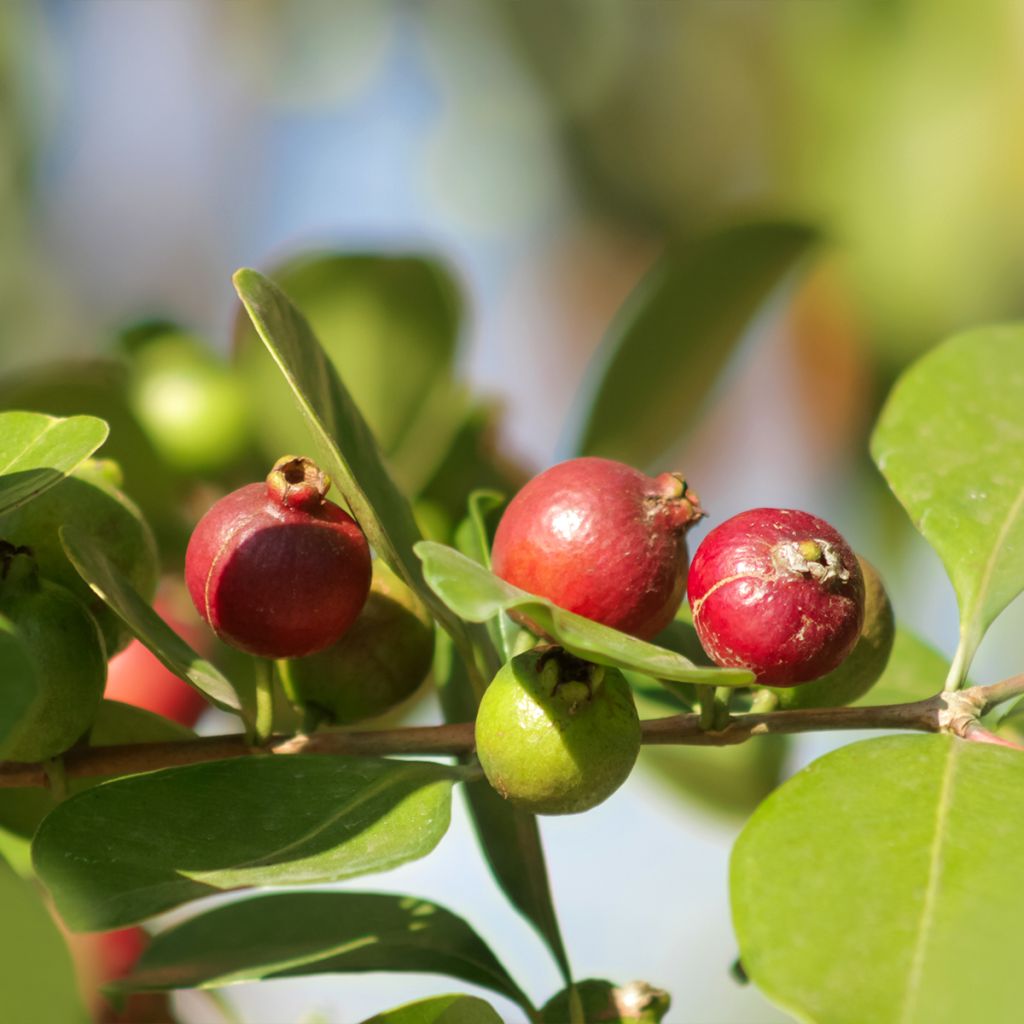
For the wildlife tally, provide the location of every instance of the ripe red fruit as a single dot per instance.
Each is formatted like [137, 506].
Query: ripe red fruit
[778, 592]
[601, 539]
[277, 570]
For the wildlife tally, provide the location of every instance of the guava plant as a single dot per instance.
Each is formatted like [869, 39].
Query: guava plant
[867, 887]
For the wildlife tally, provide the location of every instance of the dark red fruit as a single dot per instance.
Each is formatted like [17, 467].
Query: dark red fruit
[601, 539]
[277, 570]
[778, 592]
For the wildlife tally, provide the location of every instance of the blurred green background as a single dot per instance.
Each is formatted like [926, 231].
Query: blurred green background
[462, 195]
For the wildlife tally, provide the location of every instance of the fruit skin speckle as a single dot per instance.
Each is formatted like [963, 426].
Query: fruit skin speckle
[601, 539]
[778, 592]
[277, 570]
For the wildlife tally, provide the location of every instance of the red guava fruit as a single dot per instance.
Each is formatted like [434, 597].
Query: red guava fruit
[601, 539]
[277, 570]
[778, 592]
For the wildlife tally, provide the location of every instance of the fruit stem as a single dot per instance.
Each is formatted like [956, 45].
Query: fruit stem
[264, 696]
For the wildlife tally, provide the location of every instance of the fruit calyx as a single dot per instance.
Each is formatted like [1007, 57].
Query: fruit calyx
[571, 680]
[675, 496]
[297, 482]
[818, 559]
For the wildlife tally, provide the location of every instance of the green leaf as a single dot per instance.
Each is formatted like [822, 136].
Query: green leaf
[473, 539]
[915, 671]
[439, 1010]
[20, 687]
[478, 595]
[121, 852]
[388, 323]
[950, 442]
[674, 335]
[38, 451]
[319, 933]
[358, 471]
[509, 838]
[121, 597]
[22, 809]
[37, 978]
[879, 885]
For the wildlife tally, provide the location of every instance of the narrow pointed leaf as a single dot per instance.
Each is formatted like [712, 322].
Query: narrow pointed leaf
[351, 454]
[950, 442]
[439, 1010]
[478, 595]
[121, 597]
[38, 451]
[131, 848]
[872, 884]
[318, 933]
[509, 838]
[675, 334]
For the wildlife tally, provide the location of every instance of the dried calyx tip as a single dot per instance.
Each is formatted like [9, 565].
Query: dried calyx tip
[298, 482]
[819, 559]
[674, 488]
[573, 679]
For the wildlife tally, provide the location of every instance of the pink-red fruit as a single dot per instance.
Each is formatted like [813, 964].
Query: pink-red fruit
[601, 539]
[277, 570]
[778, 592]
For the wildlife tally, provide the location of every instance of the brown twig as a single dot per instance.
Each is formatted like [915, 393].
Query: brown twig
[954, 712]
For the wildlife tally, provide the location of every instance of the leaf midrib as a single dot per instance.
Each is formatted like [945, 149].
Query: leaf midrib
[931, 892]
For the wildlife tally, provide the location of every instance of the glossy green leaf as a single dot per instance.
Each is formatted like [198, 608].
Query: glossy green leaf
[351, 455]
[38, 451]
[389, 324]
[121, 597]
[22, 809]
[19, 688]
[478, 595]
[509, 838]
[872, 885]
[131, 848]
[601, 1000]
[674, 335]
[319, 933]
[950, 443]
[439, 1010]
[915, 671]
[473, 539]
[37, 978]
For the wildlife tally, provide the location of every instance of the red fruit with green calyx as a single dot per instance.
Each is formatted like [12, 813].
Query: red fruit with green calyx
[601, 539]
[778, 592]
[277, 570]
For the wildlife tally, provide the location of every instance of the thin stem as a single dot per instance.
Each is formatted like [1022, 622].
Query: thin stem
[706, 696]
[722, 702]
[264, 678]
[949, 712]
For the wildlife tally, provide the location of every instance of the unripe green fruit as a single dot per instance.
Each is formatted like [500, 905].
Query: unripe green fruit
[191, 405]
[557, 735]
[863, 666]
[378, 663]
[90, 500]
[63, 644]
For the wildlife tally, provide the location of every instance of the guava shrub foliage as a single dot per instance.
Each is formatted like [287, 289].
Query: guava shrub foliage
[339, 565]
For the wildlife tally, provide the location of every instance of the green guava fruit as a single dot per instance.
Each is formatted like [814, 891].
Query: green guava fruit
[605, 1003]
[191, 405]
[90, 500]
[378, 663]
[863, 666]
[63, 647]
[555, 734]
